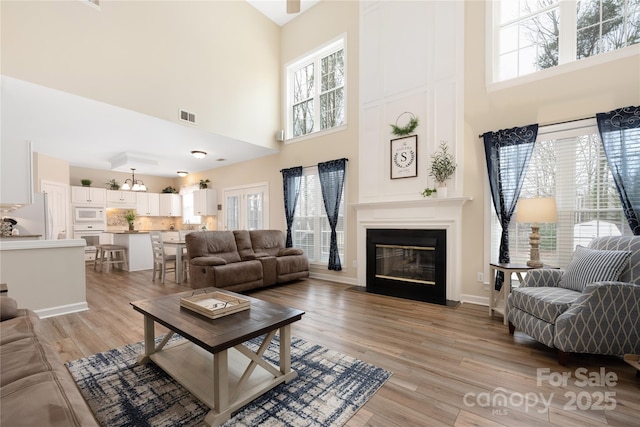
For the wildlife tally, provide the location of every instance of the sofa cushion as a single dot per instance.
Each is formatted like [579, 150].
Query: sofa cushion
[591, 265]
[268, 241]
[543, 302]
[213, 243]
[243, 243]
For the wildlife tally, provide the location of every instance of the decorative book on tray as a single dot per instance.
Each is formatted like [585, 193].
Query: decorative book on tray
[214, 304]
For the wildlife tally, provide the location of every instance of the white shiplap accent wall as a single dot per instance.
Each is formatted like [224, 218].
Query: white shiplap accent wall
[411, 59]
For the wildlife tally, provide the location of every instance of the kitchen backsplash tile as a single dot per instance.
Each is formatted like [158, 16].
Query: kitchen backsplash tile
[117, 222]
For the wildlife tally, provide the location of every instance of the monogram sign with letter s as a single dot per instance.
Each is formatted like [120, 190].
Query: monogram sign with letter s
[404, 157]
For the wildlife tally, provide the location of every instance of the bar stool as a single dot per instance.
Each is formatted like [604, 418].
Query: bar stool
[111, 255]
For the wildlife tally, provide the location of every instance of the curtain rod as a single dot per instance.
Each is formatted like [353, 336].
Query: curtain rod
[559, 123]
[305, 167]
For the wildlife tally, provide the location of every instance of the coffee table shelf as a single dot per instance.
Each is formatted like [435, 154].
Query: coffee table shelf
[193, 367]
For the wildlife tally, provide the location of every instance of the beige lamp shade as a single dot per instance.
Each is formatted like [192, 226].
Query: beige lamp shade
[538, 209]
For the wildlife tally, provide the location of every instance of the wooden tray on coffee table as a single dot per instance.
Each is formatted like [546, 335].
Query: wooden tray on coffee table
[214, 304]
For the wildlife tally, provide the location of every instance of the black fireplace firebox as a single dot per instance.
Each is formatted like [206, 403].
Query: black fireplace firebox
[408, 263]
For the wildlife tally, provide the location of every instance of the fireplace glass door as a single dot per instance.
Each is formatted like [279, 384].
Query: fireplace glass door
[414, 264]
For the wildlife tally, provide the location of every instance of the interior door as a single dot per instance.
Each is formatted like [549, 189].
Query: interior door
[58, 204]
[246, 208]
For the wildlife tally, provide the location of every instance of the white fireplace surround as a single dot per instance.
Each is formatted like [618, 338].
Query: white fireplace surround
[442, 214]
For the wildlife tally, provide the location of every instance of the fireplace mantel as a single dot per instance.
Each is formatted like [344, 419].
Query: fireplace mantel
[402, 204]
[427, 213]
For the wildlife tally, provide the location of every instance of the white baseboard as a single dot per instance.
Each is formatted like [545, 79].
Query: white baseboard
[63, 309]
[333, 278]
[474, 299]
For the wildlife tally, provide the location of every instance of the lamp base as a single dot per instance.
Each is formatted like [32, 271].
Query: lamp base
[534, 242]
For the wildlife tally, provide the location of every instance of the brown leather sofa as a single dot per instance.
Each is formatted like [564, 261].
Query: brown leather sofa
[36, 389]
[242, 260]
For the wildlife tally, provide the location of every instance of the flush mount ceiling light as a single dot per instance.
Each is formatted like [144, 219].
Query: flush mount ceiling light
[133, 184]
[198, 154]
[182, 173]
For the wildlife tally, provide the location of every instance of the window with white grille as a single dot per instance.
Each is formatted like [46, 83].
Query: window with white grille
[568, 163]
[316, 98]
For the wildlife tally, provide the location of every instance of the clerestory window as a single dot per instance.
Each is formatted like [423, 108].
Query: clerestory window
[316, 91]
[532, 35]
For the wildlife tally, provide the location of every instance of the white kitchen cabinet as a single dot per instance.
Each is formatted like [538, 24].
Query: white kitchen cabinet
[148, 204]
[16, 186]
[88, 196]
[205, 202]
[170, 204]
[121, 199]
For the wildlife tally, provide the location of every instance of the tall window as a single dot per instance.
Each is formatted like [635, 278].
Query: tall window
[316, 91]
[311, 230]
[571, 166]
[531, 35]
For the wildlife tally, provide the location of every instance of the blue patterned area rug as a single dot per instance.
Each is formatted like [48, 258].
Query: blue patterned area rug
[329, 389]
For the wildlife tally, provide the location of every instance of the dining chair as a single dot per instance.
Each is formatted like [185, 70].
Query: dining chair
[162, 262]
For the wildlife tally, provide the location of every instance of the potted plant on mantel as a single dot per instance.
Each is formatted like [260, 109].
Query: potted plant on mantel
[130, 216]
[443, 166]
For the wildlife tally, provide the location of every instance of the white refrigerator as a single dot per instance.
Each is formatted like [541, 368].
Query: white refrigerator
[34, 218]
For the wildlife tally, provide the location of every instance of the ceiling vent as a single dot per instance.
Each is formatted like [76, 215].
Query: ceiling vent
[187, 116]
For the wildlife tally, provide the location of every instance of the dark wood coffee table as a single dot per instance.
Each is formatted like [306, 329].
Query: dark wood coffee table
[212, 363]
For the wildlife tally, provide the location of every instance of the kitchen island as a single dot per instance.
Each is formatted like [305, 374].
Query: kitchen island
[47, 276]
[138, 244]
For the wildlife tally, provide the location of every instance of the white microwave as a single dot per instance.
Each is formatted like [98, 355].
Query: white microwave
[88, 214]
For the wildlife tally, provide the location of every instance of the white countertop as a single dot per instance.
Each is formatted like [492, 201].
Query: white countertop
[19, 244]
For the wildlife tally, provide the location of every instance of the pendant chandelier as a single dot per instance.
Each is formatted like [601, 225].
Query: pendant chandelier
[133, 184]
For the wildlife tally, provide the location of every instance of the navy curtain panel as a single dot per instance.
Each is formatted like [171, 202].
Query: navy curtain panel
[620, 134]
[508, 152]
[291, 180]
[331, 175]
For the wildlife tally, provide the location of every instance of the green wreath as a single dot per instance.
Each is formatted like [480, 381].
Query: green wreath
[406, 129]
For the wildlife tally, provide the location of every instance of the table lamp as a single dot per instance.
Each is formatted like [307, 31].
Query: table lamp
[534, 211]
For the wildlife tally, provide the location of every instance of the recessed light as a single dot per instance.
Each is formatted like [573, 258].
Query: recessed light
[220, 160]
[182, 173]
[198, 154]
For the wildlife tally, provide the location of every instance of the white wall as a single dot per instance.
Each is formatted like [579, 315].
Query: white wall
[217, 59]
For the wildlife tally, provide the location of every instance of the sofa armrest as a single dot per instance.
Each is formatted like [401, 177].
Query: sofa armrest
[208, 261]
[290, 251]
[8, 308]
[543, 277]
[603, 320]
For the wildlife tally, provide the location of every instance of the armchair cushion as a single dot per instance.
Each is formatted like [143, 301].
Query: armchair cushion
[590, 265]
[543, 303]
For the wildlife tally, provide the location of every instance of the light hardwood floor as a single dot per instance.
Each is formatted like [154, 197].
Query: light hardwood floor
[450, 365]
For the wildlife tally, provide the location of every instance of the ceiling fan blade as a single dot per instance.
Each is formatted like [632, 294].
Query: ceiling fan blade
[293, 6]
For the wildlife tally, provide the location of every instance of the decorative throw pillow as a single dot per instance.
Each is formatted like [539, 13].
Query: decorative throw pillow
[591, 265]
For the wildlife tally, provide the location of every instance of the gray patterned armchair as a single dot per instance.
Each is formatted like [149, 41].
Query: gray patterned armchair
[591, 307]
